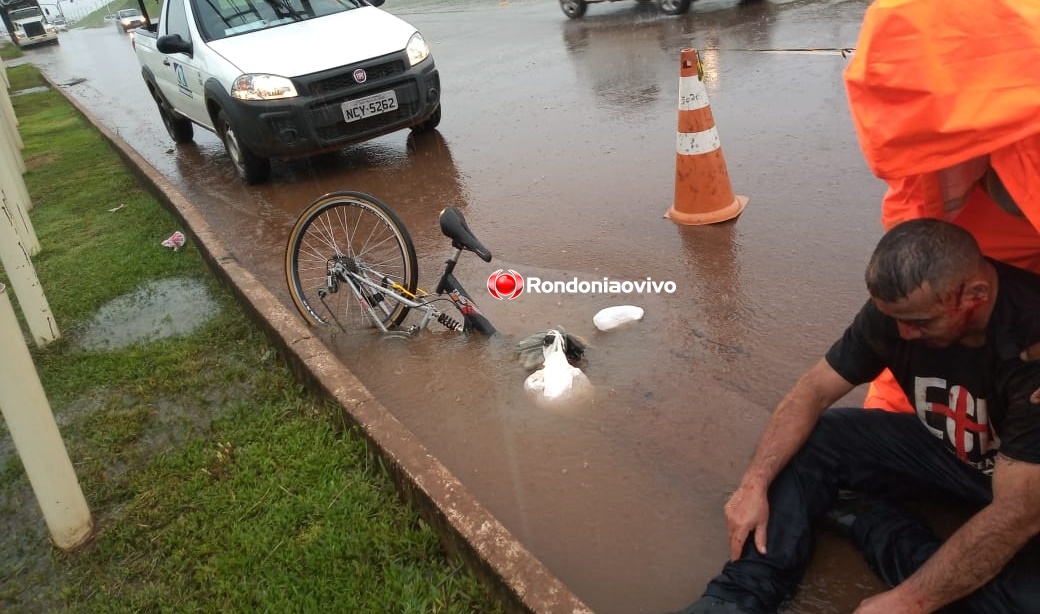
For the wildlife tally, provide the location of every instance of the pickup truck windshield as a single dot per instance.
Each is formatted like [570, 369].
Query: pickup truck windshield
[223, 18]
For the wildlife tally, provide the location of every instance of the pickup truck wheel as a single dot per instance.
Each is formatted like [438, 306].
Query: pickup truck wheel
[250, 167]
[431, 122]
[675, 7]
[180, 129]
[574, 9]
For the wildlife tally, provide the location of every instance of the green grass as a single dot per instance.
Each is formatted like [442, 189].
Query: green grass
[217, 482]
[8, 50]
[23, 79]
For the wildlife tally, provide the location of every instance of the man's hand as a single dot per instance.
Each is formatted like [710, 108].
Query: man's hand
[747, 512]
[1033, 353]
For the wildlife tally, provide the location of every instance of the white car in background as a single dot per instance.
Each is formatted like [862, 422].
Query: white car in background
[128, 19]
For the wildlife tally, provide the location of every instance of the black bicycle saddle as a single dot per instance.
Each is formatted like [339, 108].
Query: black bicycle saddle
[454, 226]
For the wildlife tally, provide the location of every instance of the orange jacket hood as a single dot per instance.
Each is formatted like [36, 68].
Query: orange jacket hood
[935, 83]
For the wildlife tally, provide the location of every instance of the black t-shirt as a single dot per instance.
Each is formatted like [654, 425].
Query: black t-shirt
[975, 400]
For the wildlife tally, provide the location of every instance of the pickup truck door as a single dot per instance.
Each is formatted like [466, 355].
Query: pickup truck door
[179, 74]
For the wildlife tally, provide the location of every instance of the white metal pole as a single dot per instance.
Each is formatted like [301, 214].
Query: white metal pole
[15, 200]
[8, 107]
[14, 195]
[14, 257]
[9, 119]
[18, 216]
[35, 434]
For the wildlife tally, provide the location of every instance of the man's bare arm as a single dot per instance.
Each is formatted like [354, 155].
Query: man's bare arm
[978, 551]
[789, 427]
[793, 420]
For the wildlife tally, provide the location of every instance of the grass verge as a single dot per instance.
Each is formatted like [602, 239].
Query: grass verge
[8, 50]
[216, 482]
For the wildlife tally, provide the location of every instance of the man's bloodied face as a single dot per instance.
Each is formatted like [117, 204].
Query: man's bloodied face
[937, 319]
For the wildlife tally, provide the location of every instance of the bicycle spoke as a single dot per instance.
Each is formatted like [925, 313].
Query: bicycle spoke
[343, 234]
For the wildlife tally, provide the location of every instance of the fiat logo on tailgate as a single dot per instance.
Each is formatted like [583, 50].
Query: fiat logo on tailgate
[360, 76]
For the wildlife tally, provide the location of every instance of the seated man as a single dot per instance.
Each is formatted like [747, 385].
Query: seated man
[951, 325]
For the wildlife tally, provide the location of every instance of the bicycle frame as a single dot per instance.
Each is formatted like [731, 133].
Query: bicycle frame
[472, 317]
[448, 286]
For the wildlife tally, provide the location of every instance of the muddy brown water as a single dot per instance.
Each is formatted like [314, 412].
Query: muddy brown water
[558, 144]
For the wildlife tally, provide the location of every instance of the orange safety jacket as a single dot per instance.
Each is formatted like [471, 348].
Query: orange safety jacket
[943, 92]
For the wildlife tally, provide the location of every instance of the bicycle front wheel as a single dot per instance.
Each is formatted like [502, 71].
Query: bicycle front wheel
[349, 234]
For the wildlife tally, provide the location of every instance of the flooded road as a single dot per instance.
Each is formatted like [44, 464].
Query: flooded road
[558, 144]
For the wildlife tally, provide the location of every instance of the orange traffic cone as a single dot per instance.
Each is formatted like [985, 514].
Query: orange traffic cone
[703, 194]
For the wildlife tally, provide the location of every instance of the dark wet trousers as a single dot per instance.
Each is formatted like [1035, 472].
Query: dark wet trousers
[869, 451]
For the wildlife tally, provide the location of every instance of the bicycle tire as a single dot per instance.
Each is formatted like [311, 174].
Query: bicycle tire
[370, 237]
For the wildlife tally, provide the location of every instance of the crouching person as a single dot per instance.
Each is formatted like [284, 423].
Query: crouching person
[952, 326]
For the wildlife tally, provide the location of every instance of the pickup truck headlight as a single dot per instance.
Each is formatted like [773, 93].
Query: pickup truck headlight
[417, 49]
[262, 87]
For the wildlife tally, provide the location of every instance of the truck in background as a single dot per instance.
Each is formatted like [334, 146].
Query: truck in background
[26, 23]
[286, 78]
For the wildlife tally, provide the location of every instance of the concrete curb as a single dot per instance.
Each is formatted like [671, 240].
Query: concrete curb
[464, 525]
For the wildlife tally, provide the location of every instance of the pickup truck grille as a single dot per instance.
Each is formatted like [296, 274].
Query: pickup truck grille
[330, 127]
[345, 80]
[340, 130]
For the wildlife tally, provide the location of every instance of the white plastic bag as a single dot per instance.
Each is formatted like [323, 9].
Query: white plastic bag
[557, 379]
[612, 317]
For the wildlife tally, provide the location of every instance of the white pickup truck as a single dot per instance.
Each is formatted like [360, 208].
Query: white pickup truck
[286, 78]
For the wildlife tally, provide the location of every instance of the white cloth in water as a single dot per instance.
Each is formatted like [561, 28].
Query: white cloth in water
[557, 379]
[612, 317]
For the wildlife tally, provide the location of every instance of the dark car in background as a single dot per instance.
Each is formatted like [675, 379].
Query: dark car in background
[575, 9]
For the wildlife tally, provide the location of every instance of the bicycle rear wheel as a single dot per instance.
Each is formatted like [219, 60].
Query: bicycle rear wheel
[349, 232]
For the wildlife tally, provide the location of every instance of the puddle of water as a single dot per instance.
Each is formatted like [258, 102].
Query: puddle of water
[159, 309]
